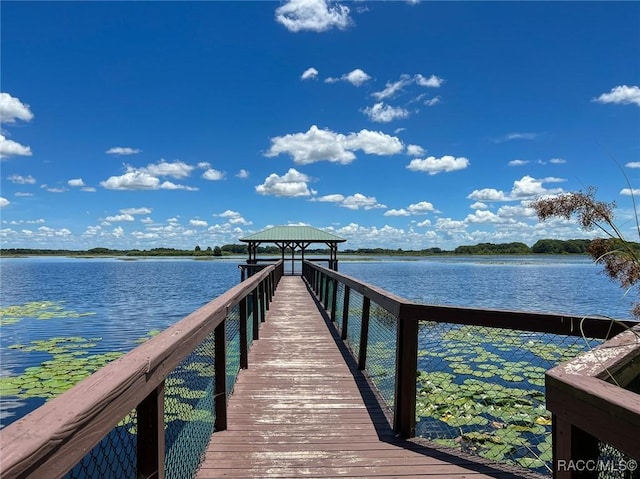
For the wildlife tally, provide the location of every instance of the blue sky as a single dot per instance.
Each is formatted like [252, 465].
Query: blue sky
[393, 124]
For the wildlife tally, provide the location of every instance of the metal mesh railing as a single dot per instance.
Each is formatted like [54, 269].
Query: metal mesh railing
[481, 390]
[354, 322]
[189, 410]
[381, 352]
[233, 347]
[339, 305]
[113, 457]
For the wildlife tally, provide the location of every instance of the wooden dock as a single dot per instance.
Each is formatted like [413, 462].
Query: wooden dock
[302, 409]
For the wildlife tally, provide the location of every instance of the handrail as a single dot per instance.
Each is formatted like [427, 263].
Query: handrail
[589, 404]
[408, 314]
[51, 440]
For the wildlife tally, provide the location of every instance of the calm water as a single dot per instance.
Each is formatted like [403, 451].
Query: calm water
[127, 299]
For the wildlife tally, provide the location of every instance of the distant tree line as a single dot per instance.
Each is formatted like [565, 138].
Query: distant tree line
[543, 246]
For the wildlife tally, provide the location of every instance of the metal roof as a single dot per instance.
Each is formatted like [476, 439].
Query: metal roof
[293, 233]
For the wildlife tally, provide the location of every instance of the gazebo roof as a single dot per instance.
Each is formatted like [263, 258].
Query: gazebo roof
[293, 233]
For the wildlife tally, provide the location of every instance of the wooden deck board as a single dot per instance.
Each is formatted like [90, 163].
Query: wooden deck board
[298, 410]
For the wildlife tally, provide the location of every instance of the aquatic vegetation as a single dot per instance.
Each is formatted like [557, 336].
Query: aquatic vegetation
[483, 392]
[70, 363]
[38, 310]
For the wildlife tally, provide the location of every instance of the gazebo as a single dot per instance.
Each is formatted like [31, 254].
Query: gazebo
[295, 238]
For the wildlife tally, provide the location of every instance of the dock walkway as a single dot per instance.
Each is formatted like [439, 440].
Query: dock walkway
[302, 409]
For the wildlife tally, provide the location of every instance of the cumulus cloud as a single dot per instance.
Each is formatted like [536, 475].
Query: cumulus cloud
[234, 218]
[382, 113]
[557, 161]
[147, 178]
[421, 208]
[335, 198]
[356, 77]
[12, 148]
[243, 174]
[630, 192]
[213, 174]
[326, 145]
[431, 82]
[433, 165]
[12, 109]
[4, 202]
[518, 162]
[136, 211]
[432, 101]
[309, 73]
[22, 180]
[77, 182]
[623, 94]
[357, 201]
[312, 15]
[633, 164]
[415, 150]
[120, 150]
[196, 222]
[526, 187]
[292, 184]
[116, 218]
[394, 212]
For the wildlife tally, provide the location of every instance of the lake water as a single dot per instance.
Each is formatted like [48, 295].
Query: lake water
[118, 302]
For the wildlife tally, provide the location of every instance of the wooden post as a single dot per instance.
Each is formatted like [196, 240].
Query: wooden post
[150, 444]
[345, 313]
[404, 420]
[261, 301]
[220, 386]
[254, 314]
[325, 296]
[244, 346]
[364, 333]
[572, 447]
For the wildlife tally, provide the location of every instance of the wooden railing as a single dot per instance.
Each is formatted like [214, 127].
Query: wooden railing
[590, 405]
[407, 314]
[51, 440]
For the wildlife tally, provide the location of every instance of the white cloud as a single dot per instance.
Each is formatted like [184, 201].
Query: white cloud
[415, 150]
[234, 218]
[213, 174]
[557, 161]
[309, 73]
[177, 169]
[132, 180]
[392, 88]
[4, 202]
[400, 212]
[479, 205]
[433, 165]
[12, 148]
[76, 182]
[146, 178]
[525, 188]
[432, 82]
[291, 184]
[516, 136]
[124, 217]
[243, 174]
[325, 145]
[357, 201]
[432, 101]
[11, 109]
[424, 223]
[198, 223]
[136, 211]
[421, 208]
[623, 94]
[518, 162]
[630, 192]
[22, 180]
[120, 150]
[382, 113]
[312, 15]
[356, 77]
[633, 164]
[335, 198]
